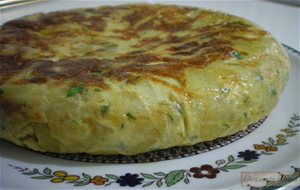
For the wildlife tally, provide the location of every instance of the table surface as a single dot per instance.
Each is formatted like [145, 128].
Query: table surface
[283, 21]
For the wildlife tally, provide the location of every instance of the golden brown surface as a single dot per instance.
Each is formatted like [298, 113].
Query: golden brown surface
[134, 78]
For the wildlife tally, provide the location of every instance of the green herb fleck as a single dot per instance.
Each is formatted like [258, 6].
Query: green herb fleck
[97, 90]
[97, 73]
[137, 77]
[245, 114]
[274, 92]
[237, 55]
[121, 146]
[226, 125]
[76, 90]
[108, 45]
[130, 116]
[192, 138]
[178, 108]
[133, 80]
[76, 121]
[24, 104]
[259, 77]
[104, 110]
[163, 103]
[205, 37]
[1, 91]
[122, 126]
[170, 117]
[225, 90]
[2, 127]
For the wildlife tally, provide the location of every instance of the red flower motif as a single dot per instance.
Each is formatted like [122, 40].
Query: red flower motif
[205, 171]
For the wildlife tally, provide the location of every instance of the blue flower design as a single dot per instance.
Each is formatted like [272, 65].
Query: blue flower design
[248, 155]
[130, 179]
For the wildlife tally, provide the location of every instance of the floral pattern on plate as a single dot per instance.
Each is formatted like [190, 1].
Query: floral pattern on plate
[235, 161]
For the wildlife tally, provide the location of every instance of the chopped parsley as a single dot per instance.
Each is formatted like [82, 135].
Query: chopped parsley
[97, 90]
[178, 108]
[259, 77]
[225, 90]
[122, 126]
[192, 138]
[133, 80]
[130, 116]
[170, 117]
[76, 121]
[226, 125]
[24, 104]
[76, 90]
[2, 125]
[121, 146]
[104, 110]
[245, 114]
[97, 73]
[1, 91]
[137, 77]
[108, 45]
[274, 92]
[237, 55]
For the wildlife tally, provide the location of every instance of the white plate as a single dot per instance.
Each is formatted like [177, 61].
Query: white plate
[23, 169]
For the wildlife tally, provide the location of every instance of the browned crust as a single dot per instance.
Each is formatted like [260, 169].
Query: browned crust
[182, 52]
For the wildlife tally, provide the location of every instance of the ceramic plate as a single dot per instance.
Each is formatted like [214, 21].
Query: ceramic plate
[267, 157]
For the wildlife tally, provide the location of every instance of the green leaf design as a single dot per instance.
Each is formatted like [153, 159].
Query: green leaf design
[81, 183]
[76, 90]
[186, 180]
[111, 176]
[29, 173]
[148, 184]
[47, 171]
[230, 158]
[41, 177]
[233, 167]
[71, 182]
[245, 161]
[109, 184]
[148, 176]
[267, 153]
[36, 170]
[86, 176]
[281, 144]
[160, 174]
[174, 177]
[266, 143]
[271, 141]
[159, 183]
[224, 170]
